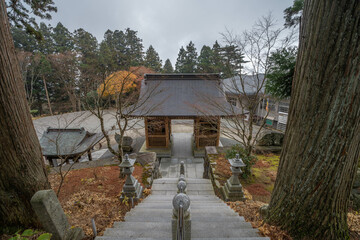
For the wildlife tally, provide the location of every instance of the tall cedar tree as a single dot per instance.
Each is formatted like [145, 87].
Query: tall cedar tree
[205, 63]
[120, 50]
[322, 140]
[134, 48]
[180, 61]
[86, 47]
[232, 60]
[152, 59]
[190, 65]
[63, 39]
[46, 45]
[217, 58]
[168, 68]
[22, 170]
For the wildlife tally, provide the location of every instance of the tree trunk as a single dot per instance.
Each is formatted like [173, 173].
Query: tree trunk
[22, 171]
[322, 142]
[47, 96]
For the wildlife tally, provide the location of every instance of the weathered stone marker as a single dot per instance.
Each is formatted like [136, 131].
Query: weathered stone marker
[232, 190]
[52, 217]
[132, 188]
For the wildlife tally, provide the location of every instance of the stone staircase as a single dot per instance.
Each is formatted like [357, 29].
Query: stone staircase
[211, 218]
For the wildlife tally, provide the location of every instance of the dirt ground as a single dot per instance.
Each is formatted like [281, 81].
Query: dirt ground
[93, 193]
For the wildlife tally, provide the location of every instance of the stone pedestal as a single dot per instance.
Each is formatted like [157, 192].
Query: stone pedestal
[132, 188]
[232, 191]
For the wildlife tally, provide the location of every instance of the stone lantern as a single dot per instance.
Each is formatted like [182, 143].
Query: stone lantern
[132, 188]
[232, 190]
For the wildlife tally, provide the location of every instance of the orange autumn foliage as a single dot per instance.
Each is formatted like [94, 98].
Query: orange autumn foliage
[117, 82]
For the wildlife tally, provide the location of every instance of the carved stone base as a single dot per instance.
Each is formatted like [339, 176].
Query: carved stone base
[131, 189]
[232, 192]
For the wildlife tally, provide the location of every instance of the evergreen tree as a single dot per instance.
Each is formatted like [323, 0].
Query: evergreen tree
[107, 59]
[232, 60]
[152, 59]
[180, 61]
[118, 44]
[86, 47]
[217, 60]
[62, 38]
[205, 60]
[134, 48]
[292, 15]
[20, 17]
[281, 72]
[190, 59]
[168, 68]
[22, 40]
[46, 45]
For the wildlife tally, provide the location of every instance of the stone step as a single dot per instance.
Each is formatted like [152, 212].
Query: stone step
[195, 225]
[175, 180]
[227, 232]
[190, 187]
[211, 218]
[165, 232]
[189, 192]
[192, 202]
[125, 238]
[193, 198]
[167, 218]
[194, 212]
[193, 205]
[150, 233]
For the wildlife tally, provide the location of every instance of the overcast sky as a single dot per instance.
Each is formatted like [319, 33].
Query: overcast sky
[167, 24]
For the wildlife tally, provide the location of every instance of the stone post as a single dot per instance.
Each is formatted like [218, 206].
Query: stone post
[182, 168]
[132, 188]
[232, 191]
[52, 217]
[209, 151]
[181, 200]
[181, 186]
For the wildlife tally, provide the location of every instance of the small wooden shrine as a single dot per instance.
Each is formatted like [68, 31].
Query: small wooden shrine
[67, 143]
[182, 96]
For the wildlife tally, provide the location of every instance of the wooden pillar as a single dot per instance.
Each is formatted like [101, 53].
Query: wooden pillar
[89, 155]
[146, 132]
[167, 132]
[196, 131]
[218, 132]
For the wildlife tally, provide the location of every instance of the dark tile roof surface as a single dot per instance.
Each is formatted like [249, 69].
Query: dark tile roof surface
[61, 142]
[183, 95]
[248, 84]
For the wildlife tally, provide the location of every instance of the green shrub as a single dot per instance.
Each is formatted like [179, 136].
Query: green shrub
[248, 160]
[29, 233]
